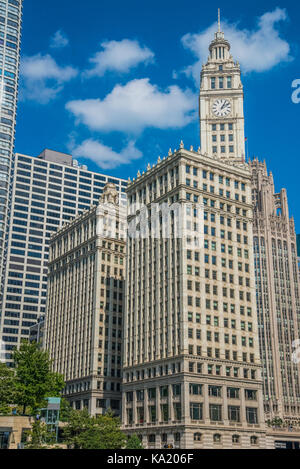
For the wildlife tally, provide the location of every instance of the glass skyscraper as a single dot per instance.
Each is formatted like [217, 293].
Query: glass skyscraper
[47, 192]
[10, 38]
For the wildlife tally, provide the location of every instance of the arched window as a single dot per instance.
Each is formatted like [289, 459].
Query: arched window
[235, 439]
[217, 438]
[254, 440]
[197, 436]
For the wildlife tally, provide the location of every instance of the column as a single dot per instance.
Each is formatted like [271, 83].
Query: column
[158, 412]
[146, 405]
[243, 407]
[171, 405]
[206, 416]
[225, 406]
[134, 413]
[185, 403]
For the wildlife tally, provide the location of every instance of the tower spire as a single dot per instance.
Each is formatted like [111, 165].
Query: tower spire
[219, 34]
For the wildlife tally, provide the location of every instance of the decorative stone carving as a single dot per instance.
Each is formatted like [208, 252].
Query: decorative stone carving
[110, 195]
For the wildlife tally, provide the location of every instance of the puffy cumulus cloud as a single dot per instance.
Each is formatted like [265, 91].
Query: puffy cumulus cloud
[257, 50]
[41, 67]
[118, 56]
[104, 156]
[59, 40]
[42, 78]
[135, 106]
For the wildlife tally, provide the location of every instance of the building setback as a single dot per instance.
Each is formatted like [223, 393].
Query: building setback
[278, 302]
[10, 42]
[83, 332]
[47, 192]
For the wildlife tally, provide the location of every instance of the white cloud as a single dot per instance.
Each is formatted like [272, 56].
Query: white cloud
[41, 67]
[59, 40]
[118, 56]
[42, 78]
[105, 157]
[257, 50]
[137, 105]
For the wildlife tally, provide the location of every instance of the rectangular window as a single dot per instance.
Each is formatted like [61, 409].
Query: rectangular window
[177, 411]
[233, 393]
[251, 414]
[176, 389]
[250, 394]
[165, 412]
[196, 411]
[152, 413]
[196, 389]
[215, 391]
[164, 391]
[234, 413]
[215, 412]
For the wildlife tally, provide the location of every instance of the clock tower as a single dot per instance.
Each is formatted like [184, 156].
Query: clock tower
[222, 103]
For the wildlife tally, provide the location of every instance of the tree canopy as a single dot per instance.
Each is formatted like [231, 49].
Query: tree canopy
[101, 432]
[28, 385]
[34, 381]
[40, 436]
[7, 388]
[134, 443]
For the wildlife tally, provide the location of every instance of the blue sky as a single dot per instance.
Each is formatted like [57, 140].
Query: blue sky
[116, 83]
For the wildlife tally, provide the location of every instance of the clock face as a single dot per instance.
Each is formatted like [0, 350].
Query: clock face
[222, 107]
